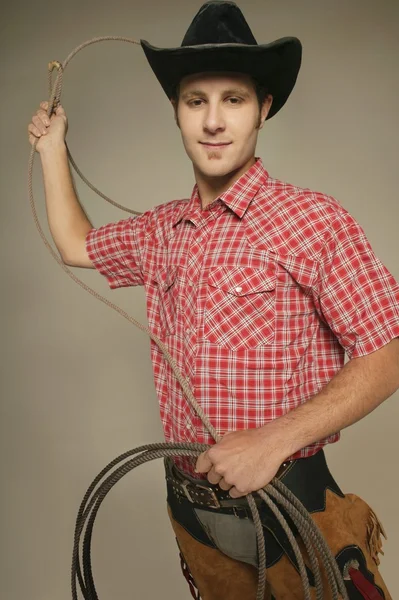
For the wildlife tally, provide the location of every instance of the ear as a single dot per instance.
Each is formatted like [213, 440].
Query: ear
[267, 104]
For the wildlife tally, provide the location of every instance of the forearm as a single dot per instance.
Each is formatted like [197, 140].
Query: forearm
[359, 387]
[67, 220]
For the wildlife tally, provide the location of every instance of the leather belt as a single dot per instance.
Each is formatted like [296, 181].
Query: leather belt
[202, 492]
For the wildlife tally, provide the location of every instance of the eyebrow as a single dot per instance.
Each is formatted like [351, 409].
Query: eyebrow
[232, 92]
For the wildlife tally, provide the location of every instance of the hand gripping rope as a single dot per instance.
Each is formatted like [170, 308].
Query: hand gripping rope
[274, 493]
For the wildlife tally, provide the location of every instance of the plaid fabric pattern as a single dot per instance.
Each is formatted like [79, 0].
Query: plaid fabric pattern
[258, 297]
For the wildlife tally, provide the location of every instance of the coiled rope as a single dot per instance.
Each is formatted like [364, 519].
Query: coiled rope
[275, 492]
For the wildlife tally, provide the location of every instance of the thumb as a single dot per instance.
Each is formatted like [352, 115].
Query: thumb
[59, 111]
[204, 464]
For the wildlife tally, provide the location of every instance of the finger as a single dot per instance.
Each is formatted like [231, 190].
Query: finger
[234, 493]
[34, 130]
[32, 139]
[214, 477]
[39, 125]
[43, 117]
[59, 110]
[204, 464]
[224, 485]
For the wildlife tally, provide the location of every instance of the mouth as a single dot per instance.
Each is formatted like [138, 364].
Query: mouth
[215, 146]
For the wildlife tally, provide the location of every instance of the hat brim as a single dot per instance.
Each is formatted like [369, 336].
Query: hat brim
[275, 65]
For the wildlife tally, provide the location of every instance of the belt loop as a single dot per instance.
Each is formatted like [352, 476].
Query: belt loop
[240, 509]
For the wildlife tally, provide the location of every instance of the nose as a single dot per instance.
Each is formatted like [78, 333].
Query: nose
[213, 118]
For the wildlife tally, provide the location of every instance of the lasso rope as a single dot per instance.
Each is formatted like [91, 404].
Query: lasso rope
[275, 492]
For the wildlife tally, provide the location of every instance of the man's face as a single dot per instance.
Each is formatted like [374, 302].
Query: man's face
[219, 118]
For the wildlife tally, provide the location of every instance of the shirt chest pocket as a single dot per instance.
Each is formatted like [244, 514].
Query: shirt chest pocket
[240, 309]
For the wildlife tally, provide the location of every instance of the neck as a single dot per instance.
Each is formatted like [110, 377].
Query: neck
[210, 188]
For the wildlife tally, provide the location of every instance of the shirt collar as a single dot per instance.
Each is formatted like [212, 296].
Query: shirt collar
[237, 197]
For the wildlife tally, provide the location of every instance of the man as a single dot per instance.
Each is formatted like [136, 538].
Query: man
[258, 288]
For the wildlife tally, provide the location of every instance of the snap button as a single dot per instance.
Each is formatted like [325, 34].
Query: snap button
[238, 289]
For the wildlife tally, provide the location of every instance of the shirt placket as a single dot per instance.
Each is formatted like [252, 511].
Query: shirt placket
[194, 277]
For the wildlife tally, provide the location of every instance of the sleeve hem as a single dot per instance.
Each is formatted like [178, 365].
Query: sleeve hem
[99, 265]
[366, 347]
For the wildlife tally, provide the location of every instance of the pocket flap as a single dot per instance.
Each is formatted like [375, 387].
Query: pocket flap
[242, 281]
[165, 276]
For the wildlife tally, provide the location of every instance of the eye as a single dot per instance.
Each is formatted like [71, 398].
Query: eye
[234, 100]
[196, 102]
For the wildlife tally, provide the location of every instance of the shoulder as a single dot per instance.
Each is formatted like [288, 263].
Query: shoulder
[297, 203]
[297, 220]
[159, 221]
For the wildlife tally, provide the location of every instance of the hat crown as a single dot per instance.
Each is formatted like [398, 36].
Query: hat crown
[219, 22]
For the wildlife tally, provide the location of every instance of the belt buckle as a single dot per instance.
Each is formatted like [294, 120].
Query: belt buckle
[213, 496]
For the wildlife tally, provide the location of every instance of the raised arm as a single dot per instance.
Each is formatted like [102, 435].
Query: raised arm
[69, 225]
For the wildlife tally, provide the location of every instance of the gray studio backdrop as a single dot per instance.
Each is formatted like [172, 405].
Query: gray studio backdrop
[76, 385]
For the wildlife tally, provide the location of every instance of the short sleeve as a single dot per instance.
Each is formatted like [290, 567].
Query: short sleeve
[357, 296]
[114, 249]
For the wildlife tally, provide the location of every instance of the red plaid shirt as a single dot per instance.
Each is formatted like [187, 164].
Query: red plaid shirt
[257, 296]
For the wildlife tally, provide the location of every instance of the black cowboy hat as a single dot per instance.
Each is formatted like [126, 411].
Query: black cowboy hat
[219, 39]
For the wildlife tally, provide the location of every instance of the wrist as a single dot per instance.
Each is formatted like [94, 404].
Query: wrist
[278, 441]
[53, 147]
